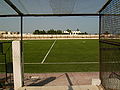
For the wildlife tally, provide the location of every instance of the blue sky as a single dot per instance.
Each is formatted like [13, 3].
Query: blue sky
[58, 6]
[84, 23]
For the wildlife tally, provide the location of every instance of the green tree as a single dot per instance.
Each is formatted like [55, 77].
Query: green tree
[42, 32]
[6, 32]
[51, 31]
[78, 29]
[18, 32]
[59, 32]
[85, 33]
[70, 31]
[106, 33]
[36, 32]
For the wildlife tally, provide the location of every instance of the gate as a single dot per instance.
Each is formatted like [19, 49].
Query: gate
[110, 45]
[6, 68]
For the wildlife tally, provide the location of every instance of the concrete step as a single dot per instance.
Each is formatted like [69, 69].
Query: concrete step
[81, 87]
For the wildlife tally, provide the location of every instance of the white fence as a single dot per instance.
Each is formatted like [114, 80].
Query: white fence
[31, 36]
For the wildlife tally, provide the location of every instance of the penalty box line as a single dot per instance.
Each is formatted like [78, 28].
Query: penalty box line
[48, 52]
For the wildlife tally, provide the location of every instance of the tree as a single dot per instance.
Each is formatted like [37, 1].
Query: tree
[78, 29]
[6, 32]
[85, 33]
[106, 33]
[36, 32]
[51, 31]
[59, 32]
[69, 30]
[18, 32]
[42, 32]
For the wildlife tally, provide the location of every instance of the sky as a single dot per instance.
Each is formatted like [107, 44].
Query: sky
[88, 24]
[83, 23]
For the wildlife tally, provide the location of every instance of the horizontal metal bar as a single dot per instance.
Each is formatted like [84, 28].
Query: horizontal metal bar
[61, 14]
[34, 15]
[6, 42]
[10, 15]
[47, 15]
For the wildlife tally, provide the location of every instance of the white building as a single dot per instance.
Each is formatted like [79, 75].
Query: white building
[10, 33]
[65, 32]
[76, 32]
[72, 32]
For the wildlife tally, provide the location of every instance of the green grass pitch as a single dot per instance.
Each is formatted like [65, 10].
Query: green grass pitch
[64, 56]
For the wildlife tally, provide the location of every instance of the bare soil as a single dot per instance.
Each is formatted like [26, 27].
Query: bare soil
[59, 79]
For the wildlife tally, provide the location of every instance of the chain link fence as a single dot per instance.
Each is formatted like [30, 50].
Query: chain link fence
[110, 45]
[6, 69]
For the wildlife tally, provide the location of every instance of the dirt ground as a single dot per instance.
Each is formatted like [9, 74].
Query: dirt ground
[60, 79]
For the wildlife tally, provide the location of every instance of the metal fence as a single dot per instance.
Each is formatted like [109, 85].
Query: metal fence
[110, 45]
[6, 70]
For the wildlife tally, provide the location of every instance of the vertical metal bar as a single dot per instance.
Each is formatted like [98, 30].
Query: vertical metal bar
[100, 47]
[10, 61]
[1, 48]
[5, 67]
[21, 31]
[21, 48]
[99, 26]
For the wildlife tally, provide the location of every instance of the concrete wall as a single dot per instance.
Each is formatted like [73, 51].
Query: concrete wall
[17, 73]
[31, 36]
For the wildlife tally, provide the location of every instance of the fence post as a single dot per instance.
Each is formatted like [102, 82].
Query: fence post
[16, 64]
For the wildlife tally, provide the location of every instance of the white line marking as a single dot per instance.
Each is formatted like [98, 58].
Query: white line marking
[70, 63]
[67, 63]
[48, 52]
[2, 63]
